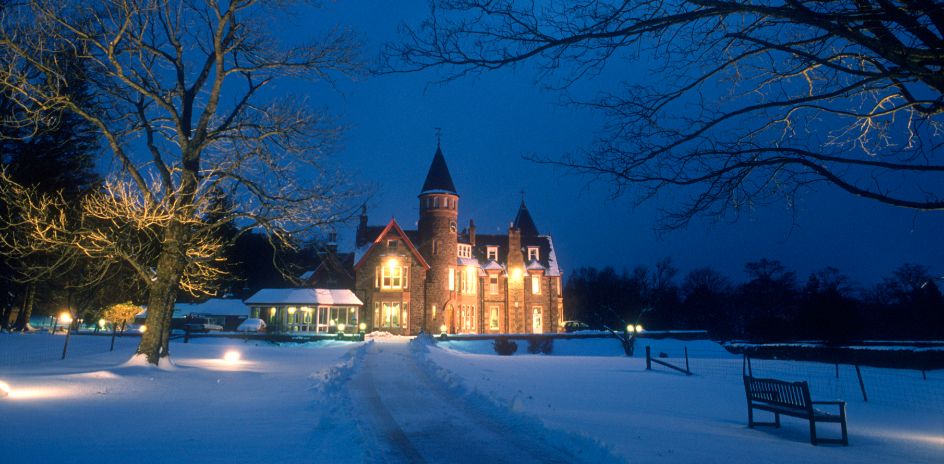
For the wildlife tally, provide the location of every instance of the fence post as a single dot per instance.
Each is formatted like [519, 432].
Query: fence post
[924, 374]
[648, 358]
[186, 334]
[687, 370]
[865, 397]
[750, 369]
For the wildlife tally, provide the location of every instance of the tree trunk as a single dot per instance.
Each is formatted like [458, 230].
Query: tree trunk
[162, 293]
[23, 318]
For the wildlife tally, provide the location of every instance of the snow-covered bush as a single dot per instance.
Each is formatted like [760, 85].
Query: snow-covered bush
[540, 344]
[505, 347]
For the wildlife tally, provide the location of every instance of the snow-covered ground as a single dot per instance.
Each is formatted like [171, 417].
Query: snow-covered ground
[390, 400]
[96, 408]
[665, 416]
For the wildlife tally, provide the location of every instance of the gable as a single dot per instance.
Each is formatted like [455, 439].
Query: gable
[391, 230]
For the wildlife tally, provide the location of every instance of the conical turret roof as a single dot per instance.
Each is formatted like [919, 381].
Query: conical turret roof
[438, 179]
[524, 223]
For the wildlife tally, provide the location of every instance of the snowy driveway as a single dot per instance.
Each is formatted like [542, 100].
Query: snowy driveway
[411, 417]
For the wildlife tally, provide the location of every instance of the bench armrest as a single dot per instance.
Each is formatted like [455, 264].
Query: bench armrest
[840, 406]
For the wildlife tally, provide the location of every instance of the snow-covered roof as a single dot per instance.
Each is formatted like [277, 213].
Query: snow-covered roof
[493, 266]
[468, 262]
[211, 307]
[215, 307]
[306, 275]
[553, 269]
[304, 296]
[534, 265]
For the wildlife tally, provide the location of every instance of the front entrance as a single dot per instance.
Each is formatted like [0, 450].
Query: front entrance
[536, 326]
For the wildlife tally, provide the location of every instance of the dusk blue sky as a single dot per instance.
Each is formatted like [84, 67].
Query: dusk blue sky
[489, 121]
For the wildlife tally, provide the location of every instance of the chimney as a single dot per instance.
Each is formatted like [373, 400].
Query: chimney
[472, 232]
[332, 244]
[361, 237]
[514, 248]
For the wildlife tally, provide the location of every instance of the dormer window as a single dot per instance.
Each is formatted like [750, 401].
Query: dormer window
[491, 253]
[534, 254]
[465, 251]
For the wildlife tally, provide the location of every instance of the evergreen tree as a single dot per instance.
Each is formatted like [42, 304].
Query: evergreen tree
[54, 157]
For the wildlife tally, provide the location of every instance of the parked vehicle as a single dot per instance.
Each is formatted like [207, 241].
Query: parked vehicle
[574, 326]
[252, 325]
[201, 324]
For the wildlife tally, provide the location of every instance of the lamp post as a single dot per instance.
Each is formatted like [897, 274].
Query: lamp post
[66, 318]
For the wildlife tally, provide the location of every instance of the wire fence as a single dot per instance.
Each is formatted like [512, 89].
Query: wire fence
[906, 388]
[18, 349]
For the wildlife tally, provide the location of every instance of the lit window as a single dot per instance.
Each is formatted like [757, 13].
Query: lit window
[452, 279]
[393, 277]
[435, 247]
[493, 318]
[492, 253]
[467, 280]
[465, 251]
[493, 284]
[435, 202]
[533, 254]
[391, 315]
[536, 284]
[536, 320]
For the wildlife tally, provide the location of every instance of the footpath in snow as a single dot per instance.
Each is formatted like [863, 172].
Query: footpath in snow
[409, 415]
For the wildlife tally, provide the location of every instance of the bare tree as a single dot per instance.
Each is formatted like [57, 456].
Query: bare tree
[739, 103]
[182, 102]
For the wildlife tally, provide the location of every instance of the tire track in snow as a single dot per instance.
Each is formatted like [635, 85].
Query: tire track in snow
[415, 418]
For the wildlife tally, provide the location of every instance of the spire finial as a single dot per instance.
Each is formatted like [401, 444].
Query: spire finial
[438, 136]
[522, 196]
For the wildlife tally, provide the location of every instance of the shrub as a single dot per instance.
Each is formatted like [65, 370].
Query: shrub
[505, 347]
[540, 345]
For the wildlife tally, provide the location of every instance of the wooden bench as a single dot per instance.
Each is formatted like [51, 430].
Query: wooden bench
[791, 399]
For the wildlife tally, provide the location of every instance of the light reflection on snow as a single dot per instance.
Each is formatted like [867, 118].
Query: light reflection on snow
[925, 438]
[220, 364]
[32, 393]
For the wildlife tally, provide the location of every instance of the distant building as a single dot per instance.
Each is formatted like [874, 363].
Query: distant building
[226, 312]
[437, 277]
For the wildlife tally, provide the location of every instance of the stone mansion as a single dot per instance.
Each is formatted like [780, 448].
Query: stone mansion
[438, 278]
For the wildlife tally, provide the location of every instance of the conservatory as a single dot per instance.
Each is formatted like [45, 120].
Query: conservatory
[314, 310]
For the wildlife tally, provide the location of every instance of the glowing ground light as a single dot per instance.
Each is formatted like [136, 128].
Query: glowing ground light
[143, 328]
[65, 318]
[5, 389]
[232, 356]
[442, 328]
[363, 326]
